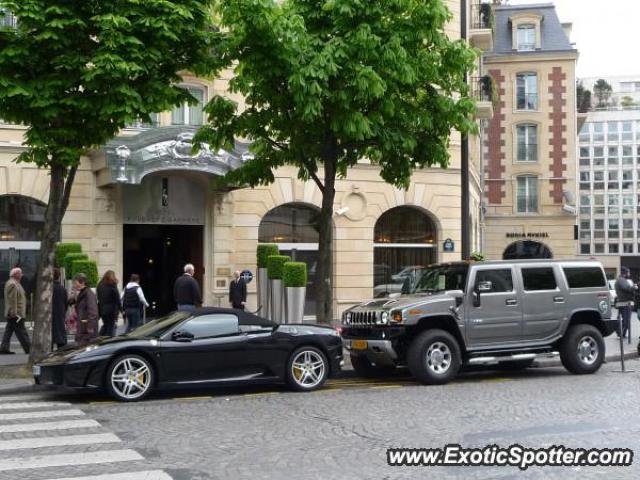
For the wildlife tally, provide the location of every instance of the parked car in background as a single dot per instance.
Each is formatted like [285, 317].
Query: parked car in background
[612, 291]
[404, 284]
[207, 347]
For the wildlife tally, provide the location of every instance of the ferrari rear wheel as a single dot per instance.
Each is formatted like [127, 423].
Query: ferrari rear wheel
[307, 369]
[130, 378]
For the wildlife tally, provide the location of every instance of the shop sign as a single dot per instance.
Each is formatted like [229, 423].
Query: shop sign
[527, 235]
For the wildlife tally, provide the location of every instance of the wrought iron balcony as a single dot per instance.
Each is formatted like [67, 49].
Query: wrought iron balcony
[483, 90]
[482, 21]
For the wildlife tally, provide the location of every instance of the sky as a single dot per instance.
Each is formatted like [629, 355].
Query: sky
[603, 31]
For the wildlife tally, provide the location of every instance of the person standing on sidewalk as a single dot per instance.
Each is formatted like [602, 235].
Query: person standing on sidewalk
[58, 312]
[625, 291]
[186, 290]
[109, 305]
[237, 291]
[15, 311]
[87, 309]
[133, 302]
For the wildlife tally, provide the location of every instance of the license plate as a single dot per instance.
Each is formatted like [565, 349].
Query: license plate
[359, 344]
[36, 370]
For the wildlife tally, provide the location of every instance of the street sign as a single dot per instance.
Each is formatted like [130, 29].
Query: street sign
[448, 245]
[247, 276]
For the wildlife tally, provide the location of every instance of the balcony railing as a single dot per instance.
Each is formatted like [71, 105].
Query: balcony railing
[528, 152]
[527, 101]
[482, 89]
[481, 16]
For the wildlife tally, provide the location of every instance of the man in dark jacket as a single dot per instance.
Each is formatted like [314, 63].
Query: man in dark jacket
[237, 291]
[87, 310]
[625, 291]
[58, 312]
[186, 291]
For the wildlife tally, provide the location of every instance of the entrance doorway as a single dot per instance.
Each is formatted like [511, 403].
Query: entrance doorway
[158, 254]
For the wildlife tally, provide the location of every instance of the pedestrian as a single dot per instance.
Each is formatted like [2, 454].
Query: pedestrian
[186, 290]
[109, 305]
[238, 291]
[15, 311]
[133, 302]
[625, 291]
[58, 312]
[86, 305]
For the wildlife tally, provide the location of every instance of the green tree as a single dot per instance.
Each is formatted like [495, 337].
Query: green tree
[328, 82]
[627, 101]
[583, 98]
[602, 91]
[75, 73]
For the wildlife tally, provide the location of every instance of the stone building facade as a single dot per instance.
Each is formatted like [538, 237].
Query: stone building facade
[143, 204]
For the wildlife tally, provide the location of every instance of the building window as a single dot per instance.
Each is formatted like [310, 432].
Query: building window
[598, 180]
[585, 248]
[404, 241]
[613, 136]
[598, 132]
[527, 194]
[614, 248]
[186, 114]
[627, 247]
[613, 183]
[627, 131]
[526, 38]
[7, 19]
[527, 91]
[527, 143]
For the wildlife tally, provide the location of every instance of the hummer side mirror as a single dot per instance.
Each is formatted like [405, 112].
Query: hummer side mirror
[485, 286]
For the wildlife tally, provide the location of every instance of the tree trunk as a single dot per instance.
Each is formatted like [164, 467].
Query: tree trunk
[324, 299]
[59, 192]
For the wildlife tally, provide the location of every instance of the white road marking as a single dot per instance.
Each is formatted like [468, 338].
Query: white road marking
[43, 414]
[146, 475]
[62, 425]
[14, 398]
[65, 440]
[28, 405]
[69, 459]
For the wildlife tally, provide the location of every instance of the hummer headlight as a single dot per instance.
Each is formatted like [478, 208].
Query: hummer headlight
[347, 318]
[384, 318]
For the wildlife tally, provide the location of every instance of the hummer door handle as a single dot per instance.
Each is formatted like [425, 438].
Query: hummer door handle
[511, 301]
[558, 299]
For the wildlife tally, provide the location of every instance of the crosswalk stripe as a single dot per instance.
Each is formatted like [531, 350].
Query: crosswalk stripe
[14, 398]
[29, 405]
[63, 425]
[69, 459]
[146, 475]
[72, 412]
[60, 441]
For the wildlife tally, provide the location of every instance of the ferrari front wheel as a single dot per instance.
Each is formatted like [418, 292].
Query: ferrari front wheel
[130, 378]
[307, 369]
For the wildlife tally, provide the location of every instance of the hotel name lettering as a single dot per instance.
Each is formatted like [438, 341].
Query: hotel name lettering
[527, 235]
[164, 219]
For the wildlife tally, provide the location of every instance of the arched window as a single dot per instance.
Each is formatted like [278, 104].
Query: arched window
[294, 228]
[405, 240]
[21, 228]
[526, 249]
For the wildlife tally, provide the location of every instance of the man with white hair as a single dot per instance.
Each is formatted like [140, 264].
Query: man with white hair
[186, 290]
[15, 311]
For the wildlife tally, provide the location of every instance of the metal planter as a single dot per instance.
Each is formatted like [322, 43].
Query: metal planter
[263, 293]
[295, 304]
[276, 308]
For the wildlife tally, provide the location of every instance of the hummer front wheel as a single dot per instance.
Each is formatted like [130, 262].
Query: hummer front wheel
[434, 357]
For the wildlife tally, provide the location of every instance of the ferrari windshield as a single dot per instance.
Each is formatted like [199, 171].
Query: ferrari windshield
[442, 277]
[158, 327]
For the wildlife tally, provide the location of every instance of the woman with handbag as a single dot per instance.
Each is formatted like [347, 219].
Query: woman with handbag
[86, 305]
[108, 303]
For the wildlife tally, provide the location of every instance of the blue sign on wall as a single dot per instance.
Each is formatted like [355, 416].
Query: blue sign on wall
[247, 276]
[448, 245]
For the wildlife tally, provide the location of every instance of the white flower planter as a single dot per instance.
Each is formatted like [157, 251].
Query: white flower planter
[295, 304]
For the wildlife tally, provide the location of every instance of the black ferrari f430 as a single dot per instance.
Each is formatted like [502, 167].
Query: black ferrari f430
[208, 346]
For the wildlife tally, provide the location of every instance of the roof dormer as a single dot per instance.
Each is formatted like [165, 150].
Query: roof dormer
[525, 32]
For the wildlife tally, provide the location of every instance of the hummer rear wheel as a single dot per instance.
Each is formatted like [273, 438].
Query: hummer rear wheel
[434, 357]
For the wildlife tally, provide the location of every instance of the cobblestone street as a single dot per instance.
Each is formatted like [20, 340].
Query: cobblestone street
[342, 431]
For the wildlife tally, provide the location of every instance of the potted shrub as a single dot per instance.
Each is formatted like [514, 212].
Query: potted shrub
[63, 249]
[264, 251]
[275, 266]
[68, 261]
[294, 277]
[89, 268]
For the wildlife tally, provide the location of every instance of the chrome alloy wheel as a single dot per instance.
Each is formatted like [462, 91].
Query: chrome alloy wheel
[439, 357]
[307, 369]
[131, 378]
[588, 350]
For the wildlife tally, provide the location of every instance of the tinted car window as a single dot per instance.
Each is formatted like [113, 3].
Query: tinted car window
[501, 280]
[538, 279]
[584, 277]
[215, 325]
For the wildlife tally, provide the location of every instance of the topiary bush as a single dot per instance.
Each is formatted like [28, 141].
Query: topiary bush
[89, 268]
[69, 259]
[275, 266]
[294, 274]
[264, 251]
[63, 249]
[478, 257]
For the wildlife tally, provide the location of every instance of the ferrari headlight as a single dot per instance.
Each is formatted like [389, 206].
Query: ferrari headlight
[90, 348]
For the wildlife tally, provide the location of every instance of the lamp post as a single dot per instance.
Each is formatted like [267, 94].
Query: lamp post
[123, 154]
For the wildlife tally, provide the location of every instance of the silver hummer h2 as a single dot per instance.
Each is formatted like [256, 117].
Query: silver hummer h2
[498, 312]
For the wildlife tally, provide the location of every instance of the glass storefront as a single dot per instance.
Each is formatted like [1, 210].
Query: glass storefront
[405, 241]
